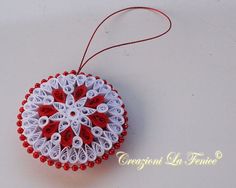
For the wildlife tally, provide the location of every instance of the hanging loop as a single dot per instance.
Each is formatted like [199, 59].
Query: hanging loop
[84, 62]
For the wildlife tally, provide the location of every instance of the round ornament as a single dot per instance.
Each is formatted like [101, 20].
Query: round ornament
[72, 120]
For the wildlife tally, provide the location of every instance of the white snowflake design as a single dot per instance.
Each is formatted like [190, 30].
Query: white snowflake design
[72, 114]
[73, 118]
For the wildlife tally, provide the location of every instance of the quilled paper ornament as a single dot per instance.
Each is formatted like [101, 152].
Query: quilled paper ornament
[75, 120]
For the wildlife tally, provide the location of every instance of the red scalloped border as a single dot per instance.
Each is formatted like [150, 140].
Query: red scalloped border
[57, 164]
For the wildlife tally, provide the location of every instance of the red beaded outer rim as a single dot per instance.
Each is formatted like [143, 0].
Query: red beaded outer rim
[57, 164]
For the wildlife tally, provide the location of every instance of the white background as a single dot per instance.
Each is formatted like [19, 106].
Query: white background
[179, 90]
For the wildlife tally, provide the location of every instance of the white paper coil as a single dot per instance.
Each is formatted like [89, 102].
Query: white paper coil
[102, 108]
[43, 121]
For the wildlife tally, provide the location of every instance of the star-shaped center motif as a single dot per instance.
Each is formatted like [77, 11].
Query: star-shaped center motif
[72, 113]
